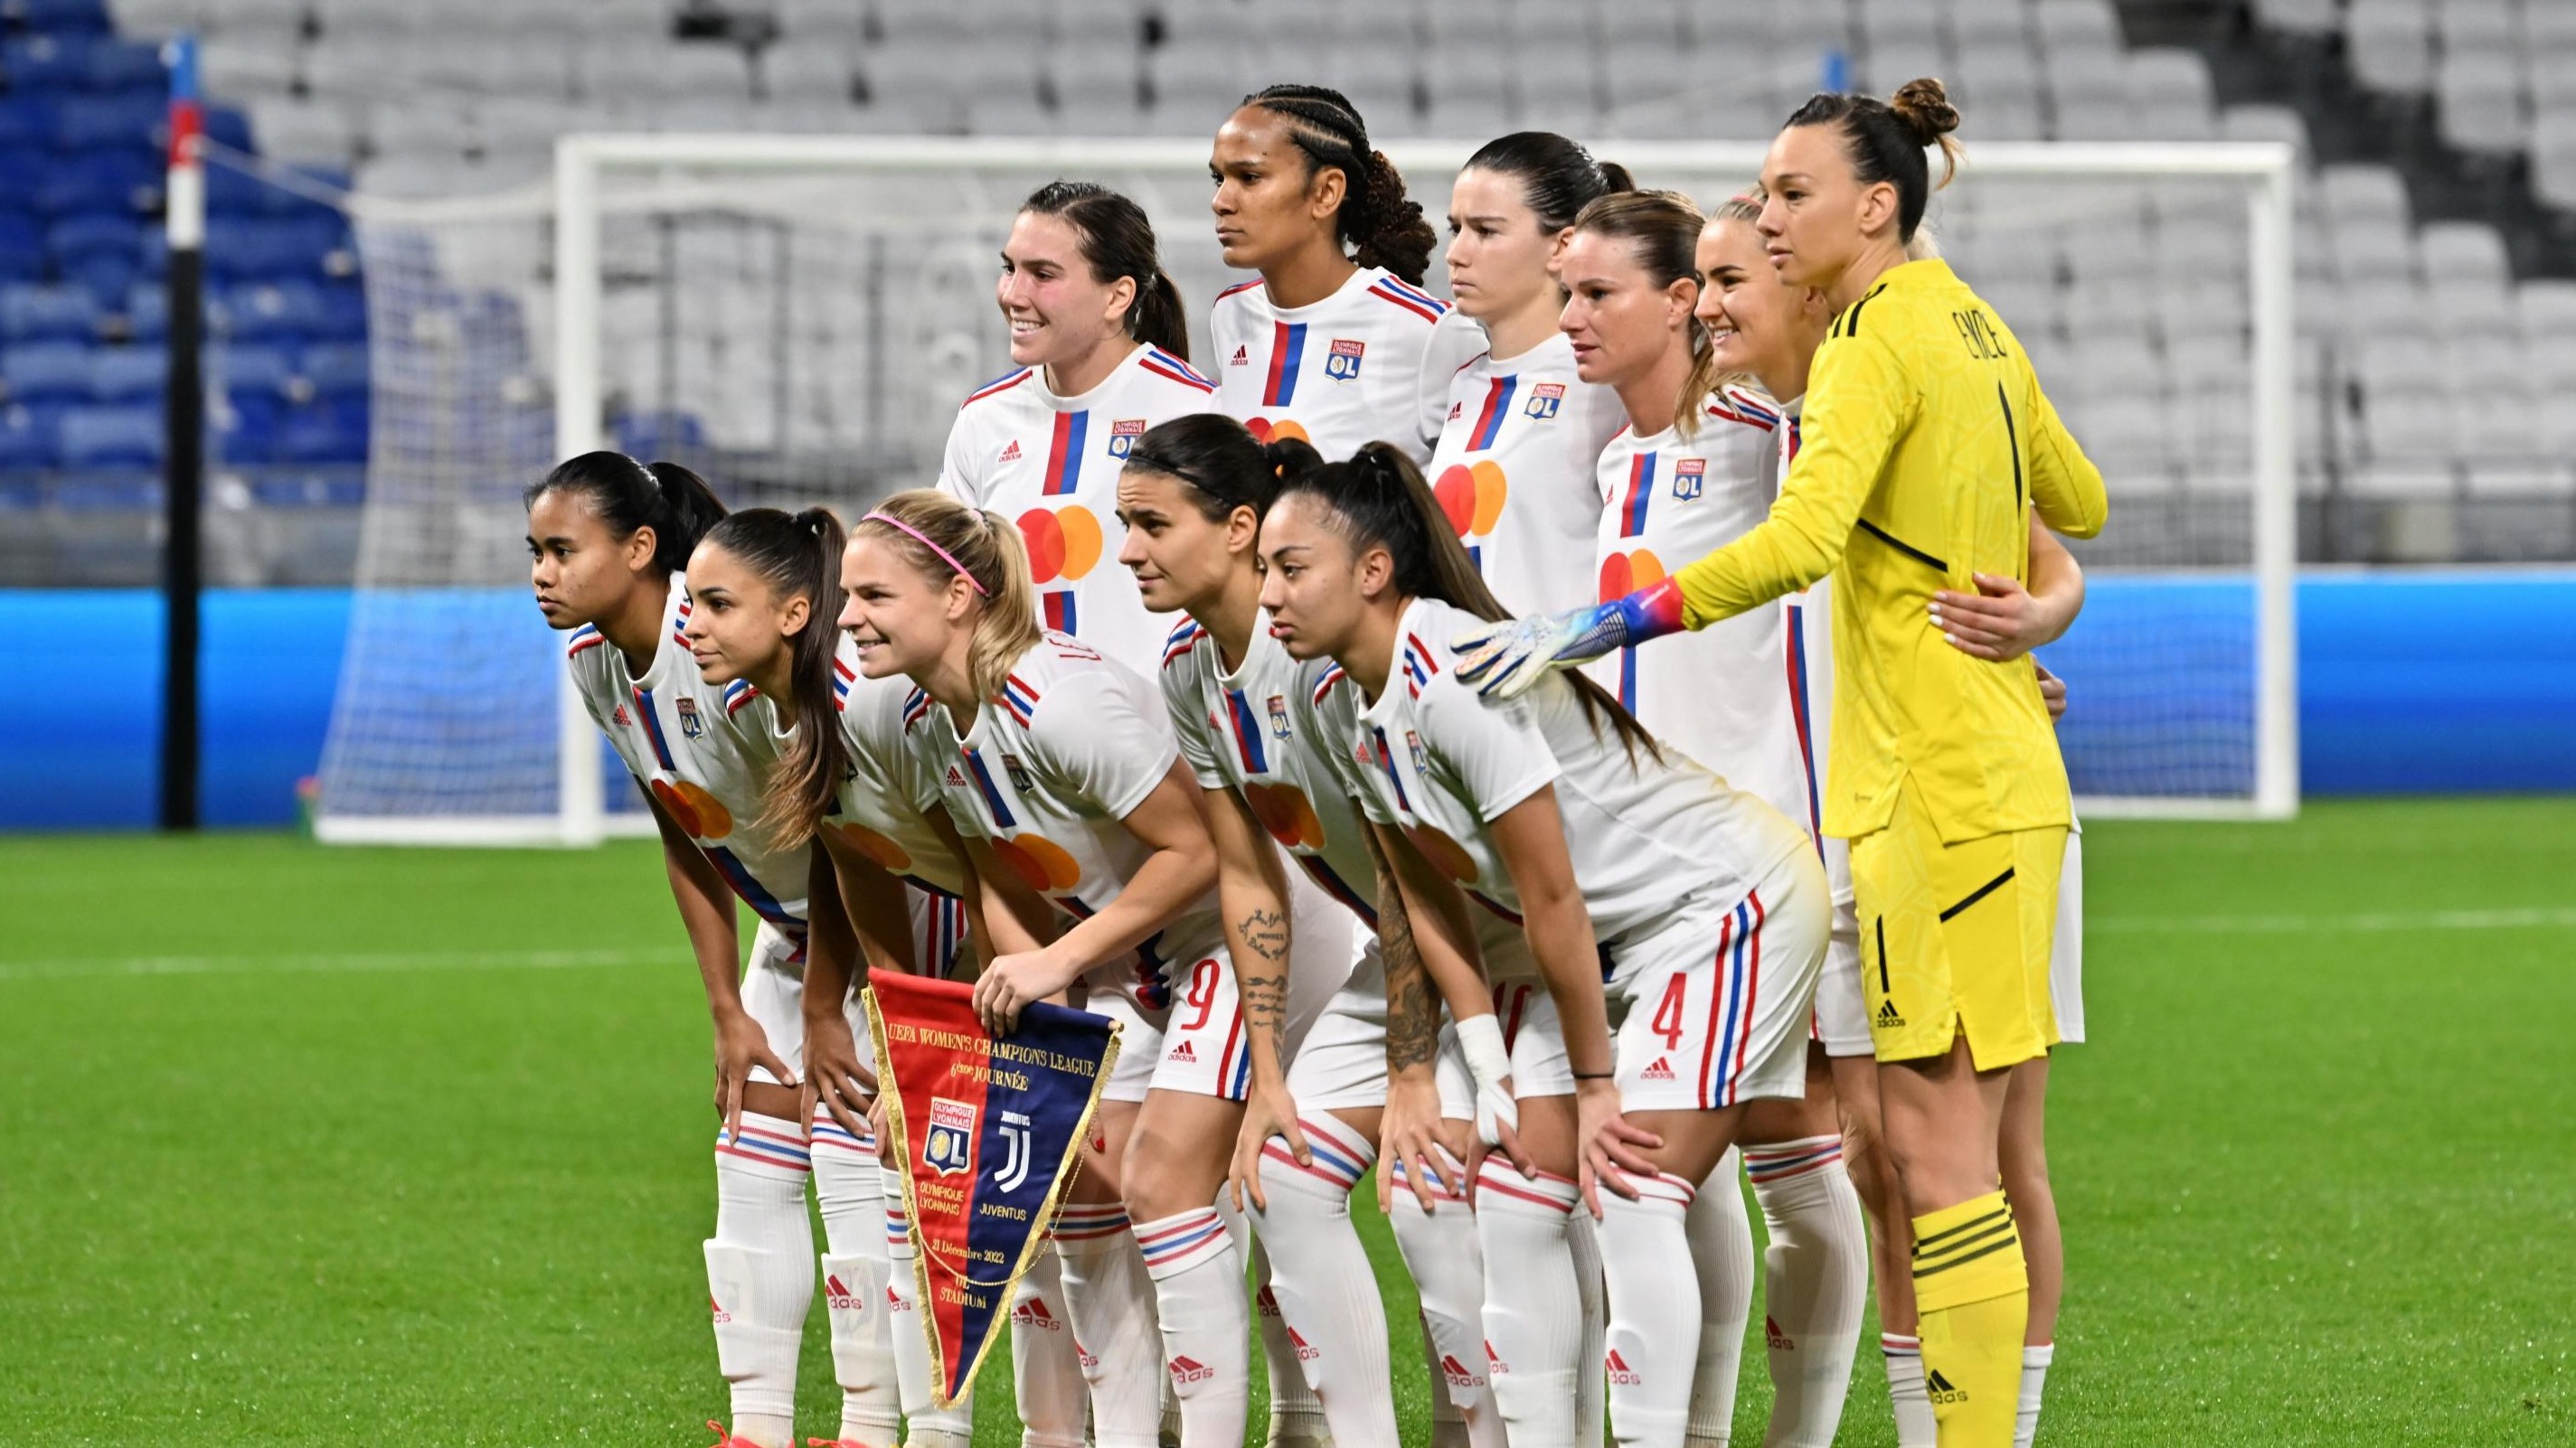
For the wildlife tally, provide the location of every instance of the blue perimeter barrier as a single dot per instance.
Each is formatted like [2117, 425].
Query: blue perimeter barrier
[2451, 682]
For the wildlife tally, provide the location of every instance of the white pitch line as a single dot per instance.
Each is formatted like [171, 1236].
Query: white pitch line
[338, 964]
[2383, 923]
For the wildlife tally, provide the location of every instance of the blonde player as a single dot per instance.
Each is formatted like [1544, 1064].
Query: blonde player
[1928, 443]
[1100, 351]
[1058, 767]
[1192, 496]
[1521, 428]
[1327, 344]
[1638, 877]
[612, 540]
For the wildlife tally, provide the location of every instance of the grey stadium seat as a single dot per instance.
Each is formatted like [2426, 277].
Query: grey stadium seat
[316, 132]
[2390, 44]
[2171, 97]
[2553, 157]
[2479, 99]
[2306, 17]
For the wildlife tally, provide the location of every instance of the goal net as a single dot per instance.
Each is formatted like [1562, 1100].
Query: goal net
[797, 317]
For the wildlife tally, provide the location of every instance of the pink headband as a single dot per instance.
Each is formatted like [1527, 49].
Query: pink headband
[923, 539]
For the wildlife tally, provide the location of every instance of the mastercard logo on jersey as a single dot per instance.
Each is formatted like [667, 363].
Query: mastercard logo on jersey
[1039, 862]
[873, 847]
[1624, 573]
[1285, 812]
[1445, 854]
[1343, 362]
[1472, 495]
[1268, 431]
[1064, 543]
[693, 809]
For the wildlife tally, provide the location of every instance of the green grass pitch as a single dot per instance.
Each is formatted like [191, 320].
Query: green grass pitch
[315, 1146]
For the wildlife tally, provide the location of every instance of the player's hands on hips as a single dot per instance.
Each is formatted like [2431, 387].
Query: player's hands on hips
[833, 1074]
[1610, 1144]
[2052, 692]
[1999, 621]
[1409, 1137]
[1268, 1111]
[740, 1045]
[1504, 659]
[1012, 981]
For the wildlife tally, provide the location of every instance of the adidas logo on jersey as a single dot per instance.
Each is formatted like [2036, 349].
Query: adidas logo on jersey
[624, 719]
[1938, 1387]
[1457, 410]
[837, 1296]
[1010, 452]
[1662, 1070]
[1622, 1375]
[1780, 1341]
[1242, 358]
[955, 780]
[1887, 1015]
[1457, 1374]
[1189, 1370]
[1305, 1351]
[1183, 1053]
[1033, 1313]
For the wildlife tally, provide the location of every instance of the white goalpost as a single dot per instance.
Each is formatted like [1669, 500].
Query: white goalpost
[798, 315]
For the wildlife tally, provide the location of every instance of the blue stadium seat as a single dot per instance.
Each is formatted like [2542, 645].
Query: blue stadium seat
[121, 487]
[282, 202]
[26, 437]
[100, 251]
[45, 62]
[37, 313]
[319, 488]
[659, 434]
[47, 372]
[85, 16]
[245, 429]
[111, 437]
[22, 247]
[250, 247]
[128, 121]
[129, 374]
[25, 121]
[249, 369]
[22, 170]
[147, 311]
[324, 432]
[101, 180]
[286, 310]
[227, 124]
[126, 65]
[335, 369]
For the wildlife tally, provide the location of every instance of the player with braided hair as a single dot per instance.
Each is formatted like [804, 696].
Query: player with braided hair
[1326, 344]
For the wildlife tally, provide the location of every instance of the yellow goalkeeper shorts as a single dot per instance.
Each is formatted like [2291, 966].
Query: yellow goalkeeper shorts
[1955, 936]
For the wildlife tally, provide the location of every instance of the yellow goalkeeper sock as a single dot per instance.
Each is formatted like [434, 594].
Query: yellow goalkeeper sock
[1973, 1292]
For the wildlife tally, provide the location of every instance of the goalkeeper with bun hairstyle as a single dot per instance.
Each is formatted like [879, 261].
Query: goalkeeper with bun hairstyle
[1928, 445]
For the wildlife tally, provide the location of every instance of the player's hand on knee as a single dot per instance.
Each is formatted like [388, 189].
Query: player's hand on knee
[741, 1044]
[1409, 1140]
[1612, 1146]
[834, 1076]
[1267, 1112]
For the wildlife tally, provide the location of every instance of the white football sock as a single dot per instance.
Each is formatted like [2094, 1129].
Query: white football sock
[1295, 1412]
[1199, 1300]
[1654, 1310]
[1721, 1243]
[2034, 1383]
[1448, 1266]
[1583, 1242]
[1533, 1306]
[1906, 1393]
[855, 1269]
[1045, 1367]
[925, 1425]
[760, 1271]
[1815, 1275]
[1321, 1279]
[1115, 1325]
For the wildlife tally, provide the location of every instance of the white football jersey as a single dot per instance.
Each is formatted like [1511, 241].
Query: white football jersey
[1339, 373]
[878, 811]
[1808, 637]
[1047, 773]
[1513, 470]
[1051, 464]
[690, 745]
[1433, 758]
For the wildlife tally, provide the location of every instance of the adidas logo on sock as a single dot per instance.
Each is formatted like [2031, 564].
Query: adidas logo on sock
[1938, 1387]
[837, 1297]
[1887, 1015]
[1662, 1070]
[1493, 1363]
[1457, 1374]
[718, 1309]
[1183, 1053]
[1622, 1375]
[1010, 454]
[1305, 1351]
[1266, 1302]
[1780, 1341]
[1033, 1313]
[1082, 1356]
[894, 1301]
[1189, 1370]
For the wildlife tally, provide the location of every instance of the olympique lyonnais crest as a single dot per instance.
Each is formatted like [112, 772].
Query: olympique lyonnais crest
[1544, 398]
[1123, 434]
[986, 1127]
[1690, 475]
[689, 724]
[1344, 362]
[1019, 774]
[1421, 757]
[1279, 716]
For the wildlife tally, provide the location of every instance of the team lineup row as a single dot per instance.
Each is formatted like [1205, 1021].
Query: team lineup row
[1581, 918]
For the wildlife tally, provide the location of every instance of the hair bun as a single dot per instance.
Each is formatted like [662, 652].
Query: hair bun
[1924, 105]
[1290, 456]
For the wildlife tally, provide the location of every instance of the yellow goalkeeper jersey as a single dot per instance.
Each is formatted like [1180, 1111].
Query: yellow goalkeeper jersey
[1926, 444]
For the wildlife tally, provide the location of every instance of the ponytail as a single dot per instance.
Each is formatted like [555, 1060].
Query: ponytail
[627, 495]
[1379, 499]
[1224, 466]
[1117, 240]
[799, 556]
[1382, 226]
[943, 539]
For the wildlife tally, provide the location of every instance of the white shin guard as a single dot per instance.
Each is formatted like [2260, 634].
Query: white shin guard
[1322, 1282]
[925, 1424]
[1199, 1303]
[1045, 1365]
[848, 1187]
[1441, 1251]
[1721, 1244]
[1815, 1281]
[760, 1273]
[1583, 1242]
[1115, 1329]
[1654, 1311]
[1533, 1315]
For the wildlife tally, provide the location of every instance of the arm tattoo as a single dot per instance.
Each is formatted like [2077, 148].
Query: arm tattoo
[1264, 981]
[1412, 1009]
